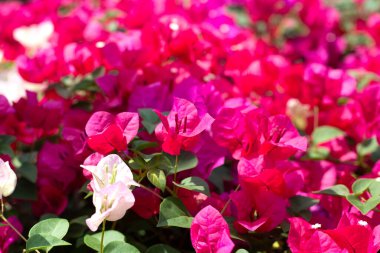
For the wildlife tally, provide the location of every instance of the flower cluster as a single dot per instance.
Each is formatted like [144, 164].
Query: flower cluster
[252, 123]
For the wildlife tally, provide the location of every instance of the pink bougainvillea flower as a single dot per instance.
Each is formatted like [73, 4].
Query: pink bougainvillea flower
[260, 211]
[8, 179]
[248, 133]
[43, 66]
[107, 132]
[147, 204]
[50, 199]
[351, 235]
[281, 138]
[182, 127]
[355, 235]
[305, 237]
[80, 59]
[210, 232]
[7, 235]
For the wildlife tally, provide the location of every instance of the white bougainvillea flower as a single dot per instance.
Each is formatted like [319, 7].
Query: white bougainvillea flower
[34, 36]
[8, 179]
[110, 170]
[111, 203]
[112, 197]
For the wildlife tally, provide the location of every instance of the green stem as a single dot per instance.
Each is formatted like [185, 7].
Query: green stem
[10, 224]
[153, 192]
[12, 227]
[316, 116]
[175, 174]
[228, 201]
[170, 191]
[102, 238]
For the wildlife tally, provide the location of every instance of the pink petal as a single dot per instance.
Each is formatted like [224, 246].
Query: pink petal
[210, 232]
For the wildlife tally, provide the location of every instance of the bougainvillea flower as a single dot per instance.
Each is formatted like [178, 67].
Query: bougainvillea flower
[111, 203]
[281, 138]
[260, 211]
[147, 204]
[7, 235]
[50, 199]
[43, 66]
[110, 170]
[112, 197]
[34, 36]
[249, 133]
[107, 132]
[351, 235]
[305, 237]
[210, 232]
[8, 179]
[182, 127]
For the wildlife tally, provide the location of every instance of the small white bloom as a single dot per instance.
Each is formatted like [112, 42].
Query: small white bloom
[110, 169]
[34, 36]
[8, 179]
[111, 203]
[316, 226]
[174, 26]
[112, 179]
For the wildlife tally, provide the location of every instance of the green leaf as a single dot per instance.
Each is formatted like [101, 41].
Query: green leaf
[173, 213]
[25, 190]
[364, 207]
[194, 184]
[219, 175]
[318, 153]
[325, 133]
[118, 247]
[336, 190]
[367, 147]
[93, 241]
[301, 203]
[55, 227]
[186, 161]
[161, 248]
[141, 145]
[241, 251]
[29, 172]
[361, 185]
[355, 201]
[150, 119]
[157, 178]
[44, 242]
[78, 227]
[370, 204]
[374, 188]
[5, 144]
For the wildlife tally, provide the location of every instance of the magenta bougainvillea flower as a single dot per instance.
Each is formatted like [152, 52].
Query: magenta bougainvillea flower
[7, 235]
[107, 132]
[256, 116]
[181, 129]
[351, 235]
[210, 233]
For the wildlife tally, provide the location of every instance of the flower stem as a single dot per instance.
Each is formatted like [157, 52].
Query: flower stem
[10, 224]
[153, 192]
[12, 227]
[102, 238]
[228, 201]
[175, 174]
[316, 116]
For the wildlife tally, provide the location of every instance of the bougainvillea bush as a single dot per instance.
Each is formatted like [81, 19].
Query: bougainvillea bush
[190, 126]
